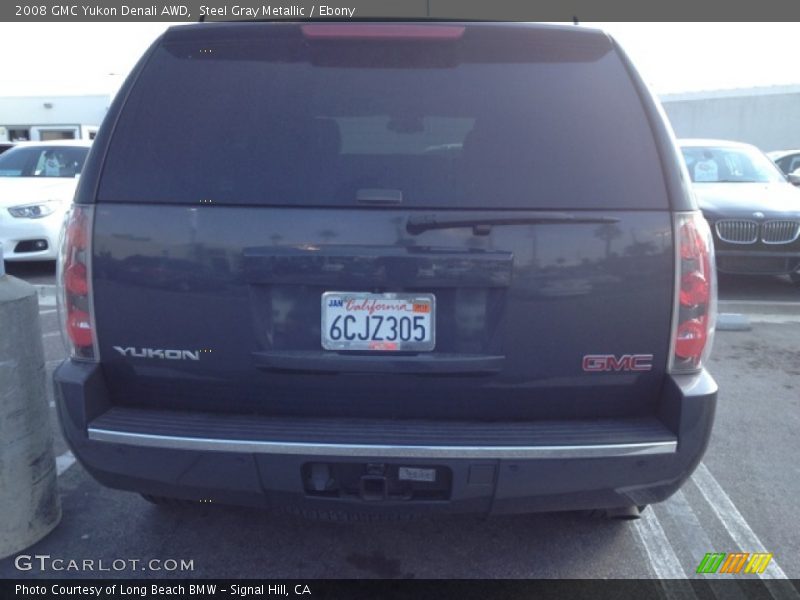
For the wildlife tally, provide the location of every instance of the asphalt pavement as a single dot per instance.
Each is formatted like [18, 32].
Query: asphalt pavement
[742, 498]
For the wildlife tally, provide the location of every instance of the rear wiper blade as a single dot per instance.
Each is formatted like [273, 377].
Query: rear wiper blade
[483, 225]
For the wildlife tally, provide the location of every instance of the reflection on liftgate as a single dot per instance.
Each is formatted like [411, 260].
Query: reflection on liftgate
[408, 304]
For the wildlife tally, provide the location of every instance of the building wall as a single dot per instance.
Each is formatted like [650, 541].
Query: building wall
[767, 119]
[64, 110]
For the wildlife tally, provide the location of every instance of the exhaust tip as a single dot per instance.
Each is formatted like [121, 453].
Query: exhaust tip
[626, 513]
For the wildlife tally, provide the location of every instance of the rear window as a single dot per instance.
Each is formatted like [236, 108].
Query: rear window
[493, 119]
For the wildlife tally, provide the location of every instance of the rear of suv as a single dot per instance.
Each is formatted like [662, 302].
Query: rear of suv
[387, 268]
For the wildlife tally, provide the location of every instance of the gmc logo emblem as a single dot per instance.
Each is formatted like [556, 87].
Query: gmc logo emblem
[594, 363]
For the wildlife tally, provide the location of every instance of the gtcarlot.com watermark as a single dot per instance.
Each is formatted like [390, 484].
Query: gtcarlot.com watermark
[45, 563]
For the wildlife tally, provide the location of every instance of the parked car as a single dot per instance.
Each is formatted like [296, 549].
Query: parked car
[519, 323]
[37, 183]
[788, 161]
[6, 146]
[753, 211]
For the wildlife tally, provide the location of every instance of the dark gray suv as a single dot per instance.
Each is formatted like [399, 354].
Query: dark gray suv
[384, 268]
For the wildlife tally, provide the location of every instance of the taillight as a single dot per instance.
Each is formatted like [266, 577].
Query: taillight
[695, 309]
[381, 31]
[75, 284]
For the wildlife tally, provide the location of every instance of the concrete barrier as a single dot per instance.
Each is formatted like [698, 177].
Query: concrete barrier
[29, 502]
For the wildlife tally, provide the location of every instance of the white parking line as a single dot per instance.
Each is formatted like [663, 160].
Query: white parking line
[64, 462]
[740, 531]
[761, 318]
[775, 303]
[689, 527]
[663, 560]
[54, 363]
[48, 311]
[695, 537]
[47, 294]
[50, 334]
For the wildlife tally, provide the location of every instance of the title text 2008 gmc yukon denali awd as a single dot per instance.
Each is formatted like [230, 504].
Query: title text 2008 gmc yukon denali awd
[382, 268]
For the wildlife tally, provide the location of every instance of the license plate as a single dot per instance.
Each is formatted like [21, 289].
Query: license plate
[378, 322]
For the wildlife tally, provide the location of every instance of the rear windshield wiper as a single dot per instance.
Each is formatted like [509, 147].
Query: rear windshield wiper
[483, 225]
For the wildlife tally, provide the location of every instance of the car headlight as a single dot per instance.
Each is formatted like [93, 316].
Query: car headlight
[32, 211]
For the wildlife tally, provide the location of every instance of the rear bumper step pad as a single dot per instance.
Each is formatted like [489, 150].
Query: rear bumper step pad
[383, 438]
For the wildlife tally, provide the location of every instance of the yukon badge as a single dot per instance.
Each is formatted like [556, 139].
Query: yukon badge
[159, 353]
[595, 363]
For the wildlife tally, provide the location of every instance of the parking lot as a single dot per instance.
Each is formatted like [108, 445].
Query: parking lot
[742, 498]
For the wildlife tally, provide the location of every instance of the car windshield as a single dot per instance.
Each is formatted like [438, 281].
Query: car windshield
[722, 164]
[43, 161]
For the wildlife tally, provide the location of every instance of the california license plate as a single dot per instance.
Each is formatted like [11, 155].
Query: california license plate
[378, 322]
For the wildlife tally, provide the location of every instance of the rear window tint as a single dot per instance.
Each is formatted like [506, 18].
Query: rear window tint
[484, 121]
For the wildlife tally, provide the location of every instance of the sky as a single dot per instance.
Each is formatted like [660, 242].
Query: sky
[89, 58]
